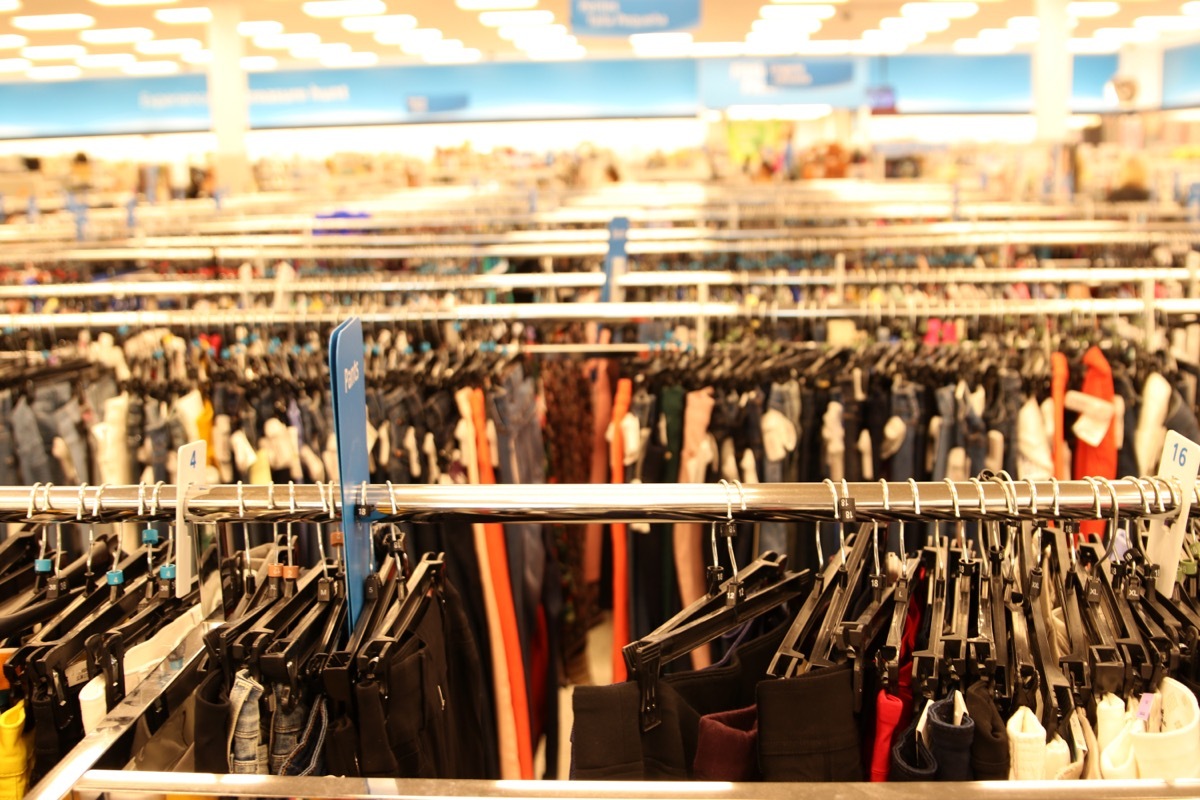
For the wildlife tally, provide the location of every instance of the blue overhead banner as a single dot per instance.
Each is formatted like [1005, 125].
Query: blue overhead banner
[839, 82]
[625, 17]
[1181, 76]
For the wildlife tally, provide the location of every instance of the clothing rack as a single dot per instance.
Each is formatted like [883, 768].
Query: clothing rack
[992, 498]
[571, 503]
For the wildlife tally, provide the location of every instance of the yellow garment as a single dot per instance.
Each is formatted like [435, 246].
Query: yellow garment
[14, 753]
[205, 424]
[260, 472]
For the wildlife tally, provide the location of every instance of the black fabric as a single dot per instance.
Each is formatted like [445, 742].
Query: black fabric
[552, 602]
[911, 759]
[46, 748]
[341, 748]
[950, 743]
[212, 725]
[607, 742]
[989, 748]
[807, 730]
[375, 759]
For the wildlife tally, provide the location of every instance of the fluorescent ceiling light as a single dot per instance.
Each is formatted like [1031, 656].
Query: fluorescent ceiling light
[60, 73]
[9, 5]
[133, 2]
[982, 46]
[825, 47]
[947, 10]
[286, 41]
[814, 11]
[535, 42]
[1093, 45]
[167, 47]
[1092, 8]
[421, 37]
[360, 59]
[197, 57]
[1011, 35]
[926, 24]
[264, 27]
[15, 64]
[1191, 9]
[259, 63]
[776, 42]
[54, 22]
[344, 8]
[1132, 35]
[1161, 23]
[782, 27]
[105, 60]
[573, 53]
[496, 19]
[718, 49]
[888, 37]
[386, 22]
[321, 50]
[494, 5]
[184, 16]
[464, 55]
[515, 32]
[151, 68]
[54, 52]
[9, 41]
[116, 35]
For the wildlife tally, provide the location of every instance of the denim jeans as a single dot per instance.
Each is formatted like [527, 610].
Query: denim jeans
[974, 436]
[159, 435]
[513, 410]
[643, 408]
[948, 439]
[1001, 417]
[247, 754]
[906, 405]
[307, 757]
[286, 728]
[8, 453]
[33, 454]
[785, 400]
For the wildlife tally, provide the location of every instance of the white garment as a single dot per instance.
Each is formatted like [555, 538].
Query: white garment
[894, 431]
[866, 454]
[1152, 417]
[994, 460]
[1095, 416]
[779, 435]
[1031, 757]
[1161, 742]
[465, 433]
[139, 662]
[833, 434]
[1034, 457]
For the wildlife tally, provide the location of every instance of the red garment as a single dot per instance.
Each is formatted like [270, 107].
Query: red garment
[1060, 374]
[888, 711]
[620, 548]
[1099, 461]
[893, 712]
[727, 746]
[498, 564]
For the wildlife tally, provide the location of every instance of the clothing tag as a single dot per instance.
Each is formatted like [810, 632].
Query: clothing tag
[960, 708]
[921, 723]
[1145, 706]
[1179, 464]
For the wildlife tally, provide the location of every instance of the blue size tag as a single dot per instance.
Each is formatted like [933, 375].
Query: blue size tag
[347, 359]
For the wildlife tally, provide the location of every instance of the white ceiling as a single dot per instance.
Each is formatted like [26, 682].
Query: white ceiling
[724, 21]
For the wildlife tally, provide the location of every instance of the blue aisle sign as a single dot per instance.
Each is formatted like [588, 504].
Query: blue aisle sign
[625, 17]
[790, 73]
[347, 374]
[614, 262]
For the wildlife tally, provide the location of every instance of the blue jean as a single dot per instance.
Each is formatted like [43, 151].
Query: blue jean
[247, 755]
[308, 756]
[286, 728]
[160, 440]
[948, 439]
[903, 465]
[784, 399]
[33, 455]
[8, 452]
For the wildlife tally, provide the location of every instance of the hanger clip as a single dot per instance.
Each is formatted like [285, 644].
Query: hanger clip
[647, 661]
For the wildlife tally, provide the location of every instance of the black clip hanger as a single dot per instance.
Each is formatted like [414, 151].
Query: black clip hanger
[398, 619]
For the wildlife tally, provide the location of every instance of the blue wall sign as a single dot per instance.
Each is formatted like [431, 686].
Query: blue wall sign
[1181, 76]
[626, 17]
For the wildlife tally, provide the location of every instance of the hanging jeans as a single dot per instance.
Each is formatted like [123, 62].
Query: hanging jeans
[906, 406]
[247, 754]
[780, 440]
[286, 728]
[8, 452]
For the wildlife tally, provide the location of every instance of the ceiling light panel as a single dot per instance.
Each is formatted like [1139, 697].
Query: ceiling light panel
[946, 10]
[168, 47]
[105, 60]
[798, 25]
[53, 22]
[1092, 46]
[151, 68]
[926, 24]
[59, 73]
[982, 46]
[184, 16]
[514, 33]
[259, 63]
[1191, 9]
[9, 41]
[497, 19]
[133, 2]
[414, 38]
[9, 5]
[464, 55]
[54, 52]
[385, 22]
[344, 8]
[264, 27]
[1127, 35]
[321, 50]
[116, 35]
[573, 53]
[361, 59]
[15, 64]
[1167, 23]
[196, 57]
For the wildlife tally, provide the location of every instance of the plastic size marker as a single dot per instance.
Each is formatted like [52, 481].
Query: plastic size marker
[1179, 465]
[189, 471]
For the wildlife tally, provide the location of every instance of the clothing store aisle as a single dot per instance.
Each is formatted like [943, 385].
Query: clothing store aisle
[599, 655]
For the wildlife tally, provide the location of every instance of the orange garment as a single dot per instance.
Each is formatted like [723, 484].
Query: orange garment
[498, 564]
[1060, 374]
[204, 423]
[1099, 461]
[620, 543]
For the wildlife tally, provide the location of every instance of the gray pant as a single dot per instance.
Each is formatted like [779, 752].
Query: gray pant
[784, 398]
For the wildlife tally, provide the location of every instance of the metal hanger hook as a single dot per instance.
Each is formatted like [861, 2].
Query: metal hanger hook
[982, 496]
[30, 511]
[79, 511]
[154, 498]
[1054, 484]
[321, 494]
[916, 497]
[141, 499]
[953, 497]
[271, 496]
[241, 500]
[1114, 521]
[98, 502]
[392, 496]
[46, 498]
[1146, 511]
